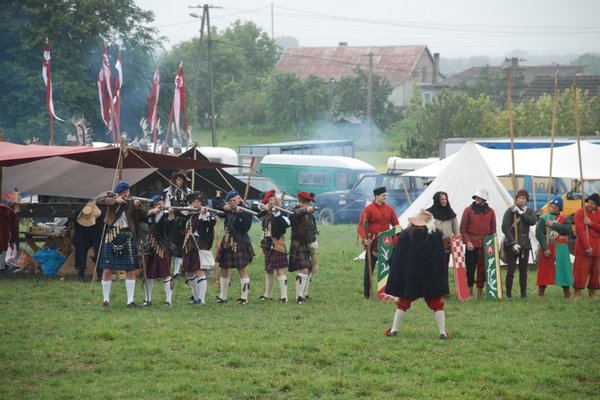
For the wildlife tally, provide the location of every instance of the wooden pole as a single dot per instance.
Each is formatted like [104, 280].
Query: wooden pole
[512, 140]
[552, 133]
[575, 104]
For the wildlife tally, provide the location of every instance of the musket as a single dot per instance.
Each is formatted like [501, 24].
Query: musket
[243, 209]
[194, 209]
[130, 198]
[283, 210]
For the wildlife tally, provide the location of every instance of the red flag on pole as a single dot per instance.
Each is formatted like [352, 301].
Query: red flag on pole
[179, 102]
[153, 103]
[117, 92]
[47, 75]
[105, 93]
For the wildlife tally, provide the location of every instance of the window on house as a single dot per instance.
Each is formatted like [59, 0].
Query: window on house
[423, 74]
[426, 98]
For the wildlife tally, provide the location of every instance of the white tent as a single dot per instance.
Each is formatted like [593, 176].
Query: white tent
[532, 162]
[465, 171]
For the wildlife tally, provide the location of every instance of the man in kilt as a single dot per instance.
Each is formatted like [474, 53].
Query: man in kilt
[274, 225]
[303, 247]
[197, 257]
[158, 253]
[119, 245]
[175, 196]
[235, 250]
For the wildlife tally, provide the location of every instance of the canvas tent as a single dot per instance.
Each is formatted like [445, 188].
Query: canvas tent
[466, 171]
[80, 172]
[530, 162]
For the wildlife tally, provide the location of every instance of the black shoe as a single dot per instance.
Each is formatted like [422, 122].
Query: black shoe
[146, 303]
[445, 336]
[242, 301]
[221, 301]
[132, 305]
[167, 304]
[283, 301]
[307, 297]
[390, 333]
[300, 300]
[265, 298]
[105, 303]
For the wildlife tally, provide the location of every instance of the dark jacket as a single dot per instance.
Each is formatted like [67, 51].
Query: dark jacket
[525, 221]
[418, 267]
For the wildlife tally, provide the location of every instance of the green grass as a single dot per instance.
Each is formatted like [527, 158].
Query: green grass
[58, 342]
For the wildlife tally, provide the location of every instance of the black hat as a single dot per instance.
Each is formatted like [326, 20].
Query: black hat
[195, 196]
[595, 198]
[379, 190]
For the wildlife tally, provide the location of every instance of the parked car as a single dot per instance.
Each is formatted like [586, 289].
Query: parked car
[345, 206]
[264, 184]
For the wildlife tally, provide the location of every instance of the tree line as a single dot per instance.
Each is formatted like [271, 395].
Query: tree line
[249, 93]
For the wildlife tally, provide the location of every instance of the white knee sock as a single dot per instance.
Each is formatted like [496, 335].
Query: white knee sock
[283, 286]
[245, 286]
[177, 261]
[269, 283]
[106, 290]
[308, 280]
[149, 285]
[130, 287]
[224, 288]
[300, 284]
[202, 284]
[398, 317]
[168, 290]
[191, 280]
[440, 319]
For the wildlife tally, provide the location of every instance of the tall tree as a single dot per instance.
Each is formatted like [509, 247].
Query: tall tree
[77, 30]
[293, 102]
[351, 95]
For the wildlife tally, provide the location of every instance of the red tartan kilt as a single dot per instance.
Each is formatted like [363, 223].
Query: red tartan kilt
[227, 258]
[157, 267]
[299, 257]
[191, 261]
[275, 260]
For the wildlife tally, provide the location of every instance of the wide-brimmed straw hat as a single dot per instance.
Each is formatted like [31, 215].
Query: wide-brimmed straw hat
[421, 219]
[89, 214]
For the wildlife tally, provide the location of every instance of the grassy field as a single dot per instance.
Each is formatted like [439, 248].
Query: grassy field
[58, 342]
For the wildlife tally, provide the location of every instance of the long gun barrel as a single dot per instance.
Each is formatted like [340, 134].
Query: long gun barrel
[245, 210]
[196, 209]
[283, 210]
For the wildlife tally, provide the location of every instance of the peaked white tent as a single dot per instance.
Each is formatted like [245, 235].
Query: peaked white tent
[466, 171]
[532, 162]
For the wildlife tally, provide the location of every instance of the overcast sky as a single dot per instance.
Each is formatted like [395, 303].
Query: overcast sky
[453, 28]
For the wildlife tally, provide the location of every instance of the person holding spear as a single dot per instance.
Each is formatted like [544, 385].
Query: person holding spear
[375, 218]
[586, 268]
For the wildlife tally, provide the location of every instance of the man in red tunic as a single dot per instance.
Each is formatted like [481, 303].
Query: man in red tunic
[478, 221]
[587, 247]
[374, 219]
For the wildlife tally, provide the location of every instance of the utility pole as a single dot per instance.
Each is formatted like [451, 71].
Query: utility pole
[370, 98]
[205, 21]
[272, 24]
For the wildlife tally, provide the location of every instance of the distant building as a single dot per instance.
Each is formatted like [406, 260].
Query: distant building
[545, 85]
[529, 73]
[403, 66]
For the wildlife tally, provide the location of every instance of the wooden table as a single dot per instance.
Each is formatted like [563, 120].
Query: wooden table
[49, 240]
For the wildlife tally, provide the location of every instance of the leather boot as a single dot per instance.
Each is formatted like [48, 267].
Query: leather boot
[479, 292]
[508, 293]
[567, 293]
[577, 295]
[471, 291]
[592, 293]
[523, 292]
[541, 291]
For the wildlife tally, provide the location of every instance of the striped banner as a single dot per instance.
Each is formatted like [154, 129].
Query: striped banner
[493, 277]
[386, 246]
